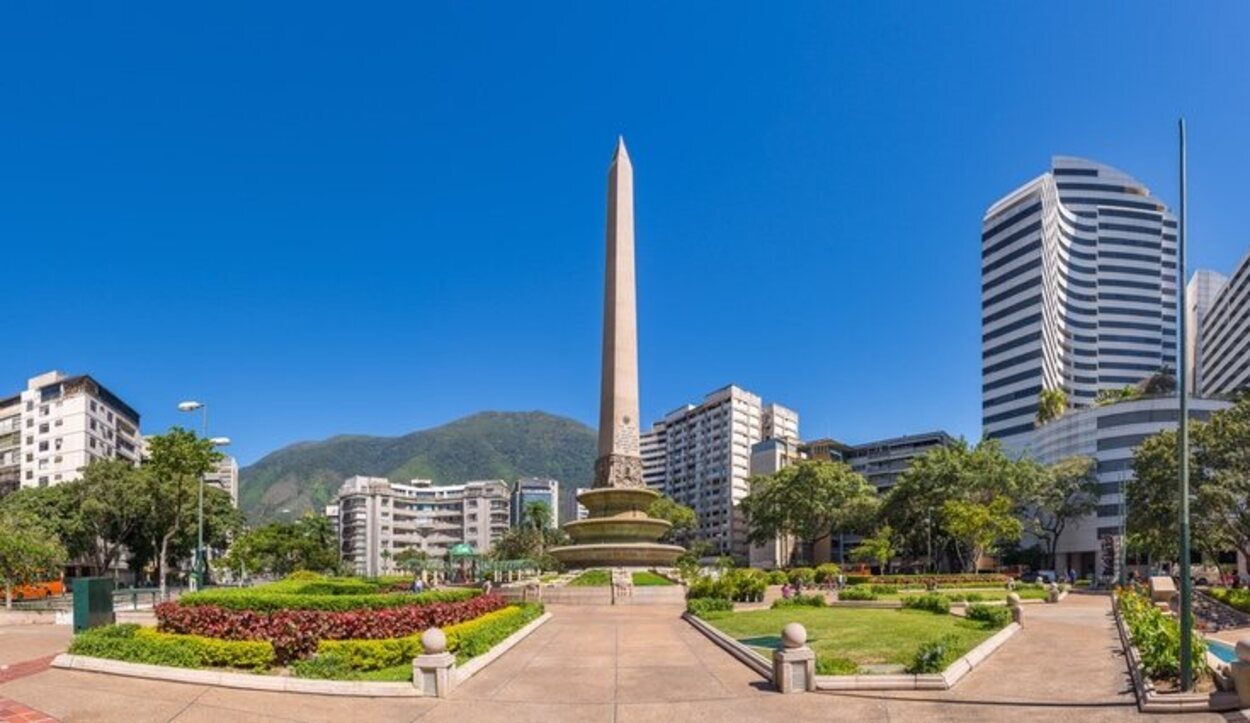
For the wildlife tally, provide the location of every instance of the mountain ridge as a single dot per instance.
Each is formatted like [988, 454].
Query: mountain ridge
[304, 476]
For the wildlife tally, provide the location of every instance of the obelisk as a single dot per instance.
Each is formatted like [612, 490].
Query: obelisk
[619, 463]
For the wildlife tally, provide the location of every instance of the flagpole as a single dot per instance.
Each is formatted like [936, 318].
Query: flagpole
[1186, 622]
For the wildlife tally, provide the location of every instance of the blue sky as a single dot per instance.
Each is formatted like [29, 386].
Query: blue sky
[327, 218]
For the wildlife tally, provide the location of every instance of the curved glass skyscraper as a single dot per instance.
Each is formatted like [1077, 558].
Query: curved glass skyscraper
[1078, 291]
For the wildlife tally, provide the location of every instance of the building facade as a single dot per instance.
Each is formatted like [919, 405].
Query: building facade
[707, 460]
[574, 510]
[379, 518]
[653, 447]
[534, 489]
[1200, 294]
[58, 424]
[1224, 335]
[770, 456]
[1078, 292]
[225, 477]
[1109, 434]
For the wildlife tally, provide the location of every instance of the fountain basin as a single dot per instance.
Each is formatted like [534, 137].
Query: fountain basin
[616, 529]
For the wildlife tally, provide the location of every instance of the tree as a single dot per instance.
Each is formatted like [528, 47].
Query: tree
[411, 559]
[878, 548]
[281, 548]
[1160, 383]
[973, 476]
[683, 519]
[1111, 396]
[810, 501]
[28, 552]
[1051, 404]
[178, 461]
[110, 508]
[978, 527]
[1066, 490]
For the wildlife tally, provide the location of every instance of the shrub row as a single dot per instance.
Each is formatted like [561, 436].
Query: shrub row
[933, 603]
[930, 581]
[143, 645]
[1156, 635]
[811, 601]
[993, 617]
[295, 633]
[263, 599]
[701, 606]
[858, 592]
[1235, 598]
[743, 584]
[467, 640]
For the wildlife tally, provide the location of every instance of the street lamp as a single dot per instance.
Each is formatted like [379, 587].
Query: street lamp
[197, 572]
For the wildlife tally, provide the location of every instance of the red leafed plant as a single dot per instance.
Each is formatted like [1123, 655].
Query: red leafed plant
[295, 633]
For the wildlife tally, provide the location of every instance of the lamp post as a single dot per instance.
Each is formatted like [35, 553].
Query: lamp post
[197, 568]
[1182, 433]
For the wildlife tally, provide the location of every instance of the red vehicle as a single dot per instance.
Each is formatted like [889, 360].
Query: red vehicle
[39, 590]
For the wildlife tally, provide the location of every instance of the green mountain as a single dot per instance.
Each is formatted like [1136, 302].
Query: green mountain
[488, 445]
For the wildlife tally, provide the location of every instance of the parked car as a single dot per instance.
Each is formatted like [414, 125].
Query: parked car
[1039, 576]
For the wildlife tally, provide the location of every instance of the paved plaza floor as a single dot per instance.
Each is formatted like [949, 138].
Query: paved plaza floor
[643, 663]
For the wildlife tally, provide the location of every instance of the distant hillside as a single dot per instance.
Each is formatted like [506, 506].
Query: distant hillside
[488, 445]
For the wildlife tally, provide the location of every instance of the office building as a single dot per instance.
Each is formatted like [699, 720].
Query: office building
[574, 510]
[653, 446]
[1108, 434]
[225, 477]
[1078, 292]
[1224, 335]
[533, 489]
[707, 460]
[768, 457]
[1200, 294]
[379, 518]
[58, 424]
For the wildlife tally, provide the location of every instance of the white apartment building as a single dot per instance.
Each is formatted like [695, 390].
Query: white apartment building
[225, 477]
[1109, 434]
[1224, 336]
[1200, 294]
[707, 460]
[653, 447]
[59, 423]
[1078, 291]
[379, 518]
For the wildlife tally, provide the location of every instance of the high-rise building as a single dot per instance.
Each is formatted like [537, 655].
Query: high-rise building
[574, 510]
[654, 450]
[225, 477]
[534, 489]
[1223, 350]
[707, 460]
[58, 424]
[379, 518]
[1200, 294]
[770, 456]
[1078, 291]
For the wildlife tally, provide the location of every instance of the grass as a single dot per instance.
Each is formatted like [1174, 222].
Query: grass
[846, 638]
[650, 579]
[592, 578]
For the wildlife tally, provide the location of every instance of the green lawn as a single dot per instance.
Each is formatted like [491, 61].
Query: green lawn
[650, 579]
[592, 578]
[845, 638]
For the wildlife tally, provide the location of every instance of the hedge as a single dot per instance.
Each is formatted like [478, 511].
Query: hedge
[993, 617]
[857, 592]
[932, 603]
[134, 644]
[467, 640]
[701, 606]
[264, 599]
[811, 601]
[295, 633]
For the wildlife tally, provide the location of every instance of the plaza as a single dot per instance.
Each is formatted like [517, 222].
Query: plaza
[631, 663]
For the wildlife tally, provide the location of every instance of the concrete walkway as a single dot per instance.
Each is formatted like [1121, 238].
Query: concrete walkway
[643, 663]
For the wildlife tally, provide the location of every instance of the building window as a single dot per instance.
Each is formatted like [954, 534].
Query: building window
[43, 411]
[43, 446]
[43, 428]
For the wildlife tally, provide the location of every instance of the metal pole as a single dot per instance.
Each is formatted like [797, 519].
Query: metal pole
[199, 549]
[1187, 675]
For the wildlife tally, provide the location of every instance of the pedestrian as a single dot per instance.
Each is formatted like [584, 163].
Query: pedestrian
[1071, 576]
[786, 592]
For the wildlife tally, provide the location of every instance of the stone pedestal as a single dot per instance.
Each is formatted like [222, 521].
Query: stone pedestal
[1239, 670]
[1052, 593]
[794, 664]
[432, 673]
[1017, 612]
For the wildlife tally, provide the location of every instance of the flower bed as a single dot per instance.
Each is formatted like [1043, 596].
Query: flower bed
[269, 599]
[132, 643]
[295, 633]
[356, 659]
[1157, 636]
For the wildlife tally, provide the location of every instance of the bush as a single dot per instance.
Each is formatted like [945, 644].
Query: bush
[993, 617]
[858, 592]
[947, 581]
[931, 656]
[295, 633]
[741, 584]
[828, 572]
[468, 639]
[144, 645]
[703, 605]
[932, 602]
[1238, 599]
[1156, 635]
[777, 577]
[880, 589]
[858, 579]
[813, 601]
[263, 599]
[802, 576]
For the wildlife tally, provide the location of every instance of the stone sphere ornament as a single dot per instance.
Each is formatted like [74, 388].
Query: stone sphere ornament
[1013, 600]
[434, 641]
[793, 635]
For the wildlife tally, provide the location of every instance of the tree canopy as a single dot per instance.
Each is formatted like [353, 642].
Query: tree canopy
[810, 501]
[28, 551]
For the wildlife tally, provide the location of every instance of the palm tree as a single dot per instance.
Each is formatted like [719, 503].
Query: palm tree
[537, 517]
